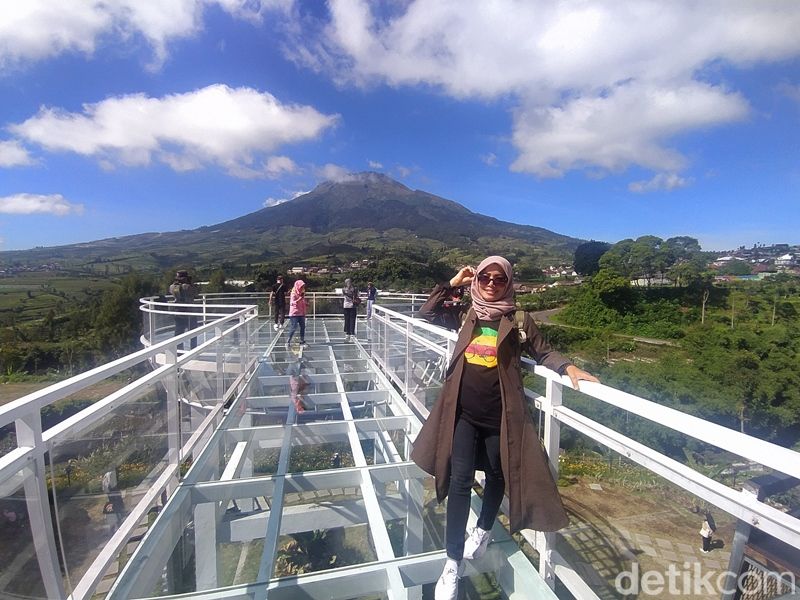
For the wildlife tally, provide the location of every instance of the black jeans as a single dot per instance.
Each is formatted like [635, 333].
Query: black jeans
[280, 314]
[472, 446]
[185, 323]
[350, 320]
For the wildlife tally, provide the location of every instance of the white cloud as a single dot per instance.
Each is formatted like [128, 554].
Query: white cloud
[277, 166]
[374, 164]
[489, 159]
[563, 60]
[38, 29]
[275, 201]
[216, 125]
[28, 204]
[659, 182]
[790, 91]
[14, 154]
[625, 127]
[402, 171]
[331, 172]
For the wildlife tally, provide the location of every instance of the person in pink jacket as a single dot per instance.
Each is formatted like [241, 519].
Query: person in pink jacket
[297, 312]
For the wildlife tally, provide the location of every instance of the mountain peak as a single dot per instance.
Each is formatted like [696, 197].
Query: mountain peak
[365, 178]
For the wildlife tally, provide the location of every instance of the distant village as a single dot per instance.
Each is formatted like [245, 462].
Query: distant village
[762, 260]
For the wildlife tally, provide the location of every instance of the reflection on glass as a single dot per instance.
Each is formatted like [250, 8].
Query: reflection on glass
[19, 570]
[102, 472]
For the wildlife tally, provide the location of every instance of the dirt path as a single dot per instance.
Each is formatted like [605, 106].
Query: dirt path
[12, 391]
[614, 531]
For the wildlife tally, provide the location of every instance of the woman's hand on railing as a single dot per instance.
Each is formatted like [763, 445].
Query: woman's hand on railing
[576, 374]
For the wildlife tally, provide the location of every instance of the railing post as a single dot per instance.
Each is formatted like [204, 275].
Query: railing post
[451, 347]
[173, 411]
[386, 344]
[150, 317]
[552, 444]
[29, 433]
[407, 382]
[243, 343]
[741, 535]
[220, 363]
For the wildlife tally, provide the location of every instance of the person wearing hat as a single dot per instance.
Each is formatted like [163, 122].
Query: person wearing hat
[184, 292]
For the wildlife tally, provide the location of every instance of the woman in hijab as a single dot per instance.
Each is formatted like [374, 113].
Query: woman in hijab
[350, 304]
[297, 312]
[481, 420]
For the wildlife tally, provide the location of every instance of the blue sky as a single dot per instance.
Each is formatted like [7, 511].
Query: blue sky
[601, 120]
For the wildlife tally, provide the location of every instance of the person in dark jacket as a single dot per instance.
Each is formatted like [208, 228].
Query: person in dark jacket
[481, 419]
[184, 292]
[277, 298]
[372, 294]
[445, 306]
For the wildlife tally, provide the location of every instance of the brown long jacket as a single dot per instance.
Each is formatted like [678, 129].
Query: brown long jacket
[534, 500]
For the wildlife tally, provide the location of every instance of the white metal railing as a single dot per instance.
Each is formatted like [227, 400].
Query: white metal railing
[403, 340]
[411, 353]
[148, 386]
[159, 311]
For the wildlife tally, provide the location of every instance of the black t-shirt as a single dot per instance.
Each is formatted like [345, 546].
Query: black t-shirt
[480, 400]
[279, 294]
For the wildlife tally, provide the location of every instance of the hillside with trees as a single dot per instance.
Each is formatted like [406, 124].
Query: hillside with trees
[728, 352]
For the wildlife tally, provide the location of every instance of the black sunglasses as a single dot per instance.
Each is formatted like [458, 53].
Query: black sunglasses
[484, 279]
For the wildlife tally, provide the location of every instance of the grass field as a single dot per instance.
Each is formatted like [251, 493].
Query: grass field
[29, 296]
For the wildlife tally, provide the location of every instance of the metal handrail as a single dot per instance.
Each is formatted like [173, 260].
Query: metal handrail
[28, 457]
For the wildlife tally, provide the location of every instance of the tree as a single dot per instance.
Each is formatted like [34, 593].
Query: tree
[649, 257]
[683, 273]
[587, 257]
[216, 282]
[618, 259]
[683, 247]
[526, 270]
[646, 257]
[736, 267]
[614, 291]
[118, 319]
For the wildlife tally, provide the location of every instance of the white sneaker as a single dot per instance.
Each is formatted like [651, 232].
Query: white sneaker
[275, 327]
[447, 586]
[476, 543]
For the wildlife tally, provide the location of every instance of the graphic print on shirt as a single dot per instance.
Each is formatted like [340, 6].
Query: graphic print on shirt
[482, 350]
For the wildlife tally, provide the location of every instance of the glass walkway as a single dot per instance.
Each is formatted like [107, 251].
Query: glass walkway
[223, 463]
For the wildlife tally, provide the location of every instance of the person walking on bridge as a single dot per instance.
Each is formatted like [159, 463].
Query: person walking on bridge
[277, 298]
[297, 312]
[350, 307]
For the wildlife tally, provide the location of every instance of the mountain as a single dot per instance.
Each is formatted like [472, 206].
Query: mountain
[364, 214]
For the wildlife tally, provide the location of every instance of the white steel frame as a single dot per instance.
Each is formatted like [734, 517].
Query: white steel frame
[397, 338]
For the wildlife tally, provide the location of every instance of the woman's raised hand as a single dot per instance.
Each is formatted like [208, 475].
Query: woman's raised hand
[464, 277]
